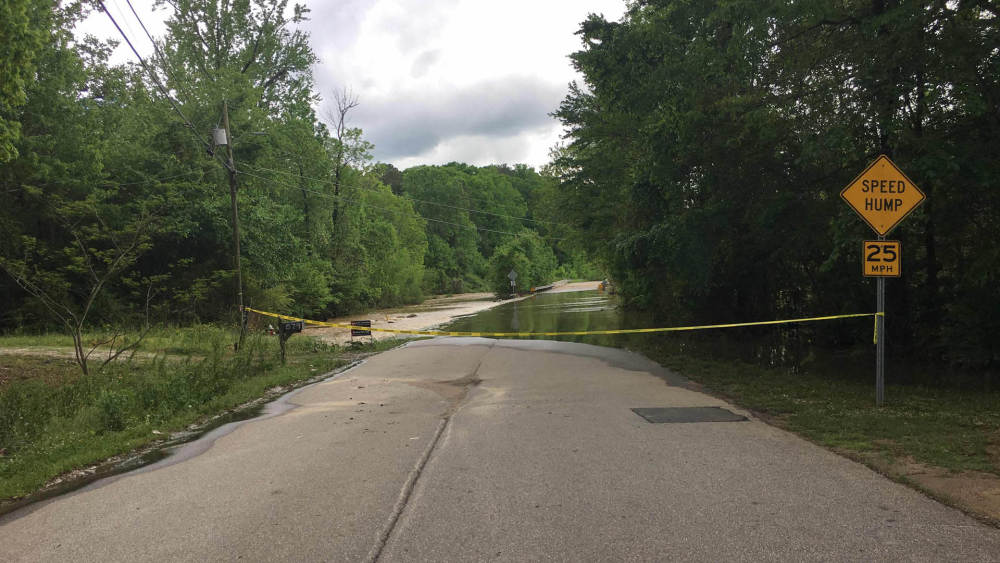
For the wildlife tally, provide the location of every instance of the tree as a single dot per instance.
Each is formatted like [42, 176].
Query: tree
[24, 25]
[529, 257]
[710, 141]
[68, 282]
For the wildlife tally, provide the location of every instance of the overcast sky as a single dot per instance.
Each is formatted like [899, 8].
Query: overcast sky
[437, 80]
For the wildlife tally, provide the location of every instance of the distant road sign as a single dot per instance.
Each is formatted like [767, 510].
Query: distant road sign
[881, 258]
[512, 275]
[882, 195]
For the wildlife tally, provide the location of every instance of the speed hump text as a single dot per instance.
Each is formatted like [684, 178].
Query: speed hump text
[882, 195]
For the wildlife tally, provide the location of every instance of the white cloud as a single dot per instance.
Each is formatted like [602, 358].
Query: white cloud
[438, 80]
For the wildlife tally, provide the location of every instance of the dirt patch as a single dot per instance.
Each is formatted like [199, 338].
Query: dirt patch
[47, 351]
[426, 316]
[22, 365]
[974, 492]
[994, 450]
[575, 286]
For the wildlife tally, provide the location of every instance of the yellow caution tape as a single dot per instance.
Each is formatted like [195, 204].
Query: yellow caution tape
[569, 333]
[877, 315]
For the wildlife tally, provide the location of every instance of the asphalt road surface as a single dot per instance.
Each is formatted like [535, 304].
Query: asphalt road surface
[483, 450]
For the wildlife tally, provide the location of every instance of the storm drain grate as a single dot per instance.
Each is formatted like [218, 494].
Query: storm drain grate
[688, 414]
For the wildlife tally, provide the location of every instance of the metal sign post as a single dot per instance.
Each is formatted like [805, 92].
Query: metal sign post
[880, 337]
[880, 259]
[883, 196]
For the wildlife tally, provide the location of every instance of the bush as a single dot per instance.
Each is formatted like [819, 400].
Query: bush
[526, 254]
[113, 406]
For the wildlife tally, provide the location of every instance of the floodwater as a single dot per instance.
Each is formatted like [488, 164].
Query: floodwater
[557, 312]
[784, 347]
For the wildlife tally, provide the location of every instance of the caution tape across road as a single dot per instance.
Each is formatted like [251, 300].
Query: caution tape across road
[565, 333]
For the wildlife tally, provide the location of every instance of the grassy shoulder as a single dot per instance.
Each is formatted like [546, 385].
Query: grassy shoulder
[955, 429]
[54, 420]
[942, 441]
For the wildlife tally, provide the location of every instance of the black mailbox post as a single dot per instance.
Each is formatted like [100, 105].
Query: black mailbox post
[285, 330]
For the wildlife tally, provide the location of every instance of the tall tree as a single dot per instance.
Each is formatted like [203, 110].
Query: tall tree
[710, 141]
[24, 25]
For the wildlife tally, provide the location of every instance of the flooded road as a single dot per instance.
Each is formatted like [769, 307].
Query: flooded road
[475, 449]
[557, 312]
[782, 347]
[471, 449]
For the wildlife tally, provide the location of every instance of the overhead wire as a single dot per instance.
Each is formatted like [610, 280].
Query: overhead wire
[211, 151]
[428, 202]
[471, 197]
[119, 184]
[157, 51]
[156, 81]
[274, 181]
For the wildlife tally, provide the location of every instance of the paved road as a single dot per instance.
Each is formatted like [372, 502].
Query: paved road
[474, 450]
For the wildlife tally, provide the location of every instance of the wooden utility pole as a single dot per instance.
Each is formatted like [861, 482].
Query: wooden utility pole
[231, 168]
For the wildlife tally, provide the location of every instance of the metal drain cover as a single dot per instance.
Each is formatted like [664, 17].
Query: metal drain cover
[688, 414]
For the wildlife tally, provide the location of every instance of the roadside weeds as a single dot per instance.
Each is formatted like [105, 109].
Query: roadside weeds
[942, 442]
[59, 429]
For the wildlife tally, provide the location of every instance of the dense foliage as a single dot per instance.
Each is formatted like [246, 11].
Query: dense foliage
[117, 206]
[471, 212]
[529, 257]
[710, 142]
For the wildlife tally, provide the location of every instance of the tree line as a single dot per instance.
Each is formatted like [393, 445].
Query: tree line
[116, 199]
[709, 141]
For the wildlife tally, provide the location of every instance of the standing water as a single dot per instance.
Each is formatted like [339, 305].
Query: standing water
[556, 312]
[787, 346]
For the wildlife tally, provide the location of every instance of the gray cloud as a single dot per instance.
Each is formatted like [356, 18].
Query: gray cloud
[412, 27]
[424, 62]
[412, 124]
[335, 25]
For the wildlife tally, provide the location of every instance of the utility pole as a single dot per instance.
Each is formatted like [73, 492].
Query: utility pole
[231, 168]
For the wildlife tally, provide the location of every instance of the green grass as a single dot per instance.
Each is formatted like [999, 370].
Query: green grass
[949, 428]
[196, 339]
[53, 419]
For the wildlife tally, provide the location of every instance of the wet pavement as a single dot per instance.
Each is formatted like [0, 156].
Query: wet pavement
[478, 449]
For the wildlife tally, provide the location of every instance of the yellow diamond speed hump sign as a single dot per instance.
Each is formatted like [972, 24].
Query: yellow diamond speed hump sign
[882, 195]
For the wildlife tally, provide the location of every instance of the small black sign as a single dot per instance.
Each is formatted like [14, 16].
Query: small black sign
[361, 332]
[291, 327]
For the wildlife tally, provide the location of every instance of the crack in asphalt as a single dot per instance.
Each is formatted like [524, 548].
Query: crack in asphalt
[407, 491]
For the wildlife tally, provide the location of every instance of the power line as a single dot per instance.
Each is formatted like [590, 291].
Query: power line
[209, 147]
[396, 211]
[356, 201]
[156, 81]
[428, 202]
[158, 52]
[107, 183]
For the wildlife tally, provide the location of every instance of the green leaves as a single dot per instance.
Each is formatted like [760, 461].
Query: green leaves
[528, 256]
[23, 26]
[711, 141]
[102, 151]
